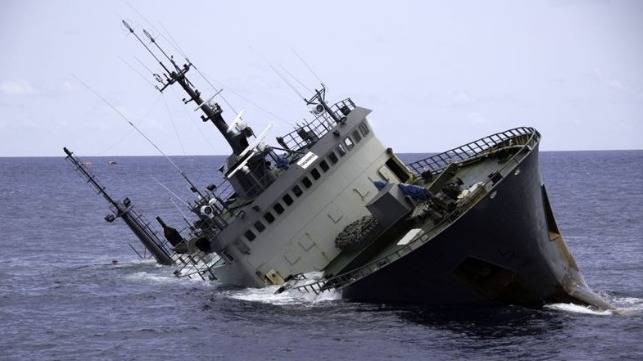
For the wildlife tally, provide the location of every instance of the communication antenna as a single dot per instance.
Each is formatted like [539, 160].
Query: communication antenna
[308, 67]
[175, 74]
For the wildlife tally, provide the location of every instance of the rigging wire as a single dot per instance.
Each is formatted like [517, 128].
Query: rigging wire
[251, 102]
[185, 218]
[144, 118]
[177, 48]
[143, 65]
[296, 79]
[140, 132]
[306, 65]
[176, 132]
[199, 129]
[136, 71]
[212, 86]
[172, 193]
[169, 39]
[173, 42]
[292, 87]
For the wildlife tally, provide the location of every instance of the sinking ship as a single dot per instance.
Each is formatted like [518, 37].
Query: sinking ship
[470, 225]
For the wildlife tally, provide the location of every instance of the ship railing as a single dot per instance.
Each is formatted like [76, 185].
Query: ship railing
[229, 208]
[140, 219]
[527, 137]
[224, 191]
[513, 137]
[198, 264]
[307, 134]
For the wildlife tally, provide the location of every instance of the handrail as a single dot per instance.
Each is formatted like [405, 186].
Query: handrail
[436, 163]
[319, 126]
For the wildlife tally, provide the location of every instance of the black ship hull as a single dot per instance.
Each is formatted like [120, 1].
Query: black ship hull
[505, 249]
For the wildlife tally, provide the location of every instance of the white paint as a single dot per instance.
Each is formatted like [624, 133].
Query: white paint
[409, 236]
[307, 160]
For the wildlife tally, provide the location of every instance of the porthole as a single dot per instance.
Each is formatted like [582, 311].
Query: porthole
[250, 235]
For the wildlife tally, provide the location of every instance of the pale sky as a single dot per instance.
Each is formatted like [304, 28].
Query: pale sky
[437, 74]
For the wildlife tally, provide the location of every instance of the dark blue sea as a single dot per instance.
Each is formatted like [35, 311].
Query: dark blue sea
[71, 288]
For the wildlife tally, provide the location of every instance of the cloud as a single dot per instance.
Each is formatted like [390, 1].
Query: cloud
[611, 83]
[476, 118]
[615, 84]
[16, 87]
[461, 99]
[70, 86]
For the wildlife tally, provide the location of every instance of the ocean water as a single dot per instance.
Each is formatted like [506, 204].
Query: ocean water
[72, 289]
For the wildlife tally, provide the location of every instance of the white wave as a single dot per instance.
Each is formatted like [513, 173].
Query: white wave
[574, 308]
[628, 301]
[264, 295]
[151, 277]
[287, 297]
[628, 306]
[135, 262]
[625, 306]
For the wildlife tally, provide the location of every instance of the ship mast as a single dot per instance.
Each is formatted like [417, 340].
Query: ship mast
[211, 111]
[125, 211]
[255, 175]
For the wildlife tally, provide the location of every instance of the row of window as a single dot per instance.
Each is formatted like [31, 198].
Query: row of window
[307, 181]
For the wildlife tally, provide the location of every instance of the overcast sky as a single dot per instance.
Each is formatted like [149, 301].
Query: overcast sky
[437, 74]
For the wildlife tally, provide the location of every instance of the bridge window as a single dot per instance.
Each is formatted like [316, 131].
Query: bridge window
[278, 208]
[349, 143]
[397, 169]
[269, 217]
[341, 150]
[363, 128]
[249, 235]
[259, 226]
[324, 166]
[306, 182]
[356, 136]
[333, 158]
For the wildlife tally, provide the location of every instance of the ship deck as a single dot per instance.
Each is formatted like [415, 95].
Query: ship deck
[400, 239]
